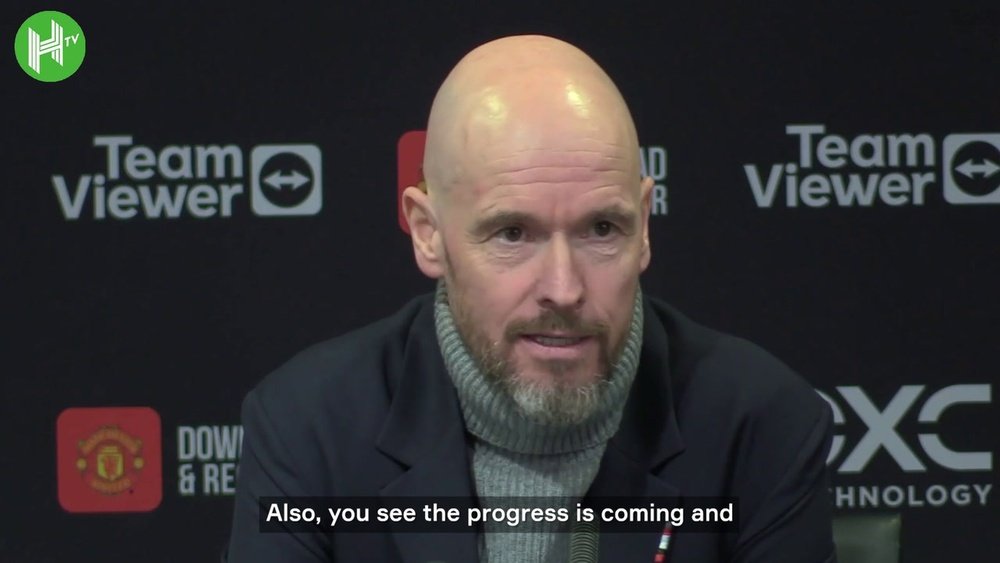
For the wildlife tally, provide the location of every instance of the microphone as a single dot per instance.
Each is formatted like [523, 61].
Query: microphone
[583, 542]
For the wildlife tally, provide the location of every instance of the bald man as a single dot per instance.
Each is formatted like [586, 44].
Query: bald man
[537, 368]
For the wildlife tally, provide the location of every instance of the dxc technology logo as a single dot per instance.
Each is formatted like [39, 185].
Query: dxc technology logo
[893, 169]
[935, 472]
[882, 434]
[53, 57]
[200, 181]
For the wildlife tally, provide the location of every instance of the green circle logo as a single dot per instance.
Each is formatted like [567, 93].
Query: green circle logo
[50, 46]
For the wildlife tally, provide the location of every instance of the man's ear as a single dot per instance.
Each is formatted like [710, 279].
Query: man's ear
[646, 191]
[427, 246]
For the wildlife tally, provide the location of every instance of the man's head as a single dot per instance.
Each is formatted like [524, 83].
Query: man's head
[536, 217]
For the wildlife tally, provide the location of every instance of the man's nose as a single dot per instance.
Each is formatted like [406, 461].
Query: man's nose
[560, 285]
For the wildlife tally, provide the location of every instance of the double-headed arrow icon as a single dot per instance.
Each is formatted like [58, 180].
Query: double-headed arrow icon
[294, 180]
[969, 168]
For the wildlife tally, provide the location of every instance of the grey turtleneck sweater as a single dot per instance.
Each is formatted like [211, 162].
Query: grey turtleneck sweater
[517, 456]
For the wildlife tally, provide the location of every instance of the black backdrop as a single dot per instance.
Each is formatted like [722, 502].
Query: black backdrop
[880, 306]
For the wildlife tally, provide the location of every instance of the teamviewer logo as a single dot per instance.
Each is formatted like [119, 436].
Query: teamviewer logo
[972, 168]
[286, 180]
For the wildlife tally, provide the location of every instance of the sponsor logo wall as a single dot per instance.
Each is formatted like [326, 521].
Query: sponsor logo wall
[183, 215]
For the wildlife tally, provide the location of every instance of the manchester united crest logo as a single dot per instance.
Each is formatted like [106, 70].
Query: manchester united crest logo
[110, 460]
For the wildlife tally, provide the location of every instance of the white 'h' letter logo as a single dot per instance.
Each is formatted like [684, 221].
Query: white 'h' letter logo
[37, 47]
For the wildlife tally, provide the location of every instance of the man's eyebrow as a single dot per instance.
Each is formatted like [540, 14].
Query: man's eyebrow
[494, 221]
[624, 217]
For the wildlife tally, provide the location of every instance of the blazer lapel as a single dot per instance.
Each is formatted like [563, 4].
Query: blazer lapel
[647, 438]
[425, 433]
[621, 482]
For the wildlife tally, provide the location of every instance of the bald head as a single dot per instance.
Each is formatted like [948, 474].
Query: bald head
[517, 95]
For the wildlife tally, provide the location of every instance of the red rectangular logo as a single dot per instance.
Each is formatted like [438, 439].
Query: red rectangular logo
[409, 168]
[108, 459]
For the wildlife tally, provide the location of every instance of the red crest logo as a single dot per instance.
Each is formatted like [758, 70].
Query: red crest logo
[108, 459]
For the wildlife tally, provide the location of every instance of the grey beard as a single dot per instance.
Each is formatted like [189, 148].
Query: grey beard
[555, 404]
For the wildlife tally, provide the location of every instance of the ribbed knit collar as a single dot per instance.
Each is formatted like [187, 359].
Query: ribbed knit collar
[493, 416]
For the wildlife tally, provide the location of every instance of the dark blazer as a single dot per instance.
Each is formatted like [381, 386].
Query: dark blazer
[374, 413]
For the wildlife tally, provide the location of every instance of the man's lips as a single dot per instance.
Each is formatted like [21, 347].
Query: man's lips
[557, 340]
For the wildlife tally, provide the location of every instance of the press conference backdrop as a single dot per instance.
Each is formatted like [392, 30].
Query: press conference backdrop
[215, 188]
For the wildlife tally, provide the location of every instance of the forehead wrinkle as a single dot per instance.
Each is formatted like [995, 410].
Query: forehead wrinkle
[525, 159]
[572, 156]
[581, 175]
[549, 184]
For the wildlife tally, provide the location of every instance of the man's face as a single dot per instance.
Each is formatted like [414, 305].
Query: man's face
[544, 248]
